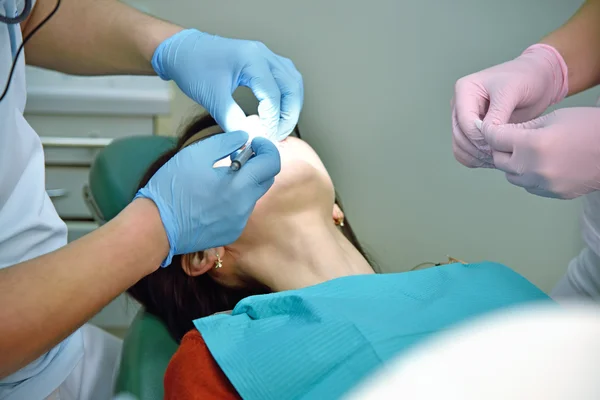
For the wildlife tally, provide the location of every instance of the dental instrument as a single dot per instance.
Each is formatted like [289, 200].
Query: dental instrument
[241, 158]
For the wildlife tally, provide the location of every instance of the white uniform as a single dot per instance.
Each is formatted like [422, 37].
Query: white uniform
[30, 227]
[582, 279]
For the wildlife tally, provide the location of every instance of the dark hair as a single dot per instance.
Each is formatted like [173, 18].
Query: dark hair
[177, 298]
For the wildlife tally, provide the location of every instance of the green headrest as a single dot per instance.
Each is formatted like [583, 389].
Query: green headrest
[147, 350]
[118, 169]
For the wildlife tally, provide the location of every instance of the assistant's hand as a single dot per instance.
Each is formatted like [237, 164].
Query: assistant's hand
[203, 207]
[209, 68]
[557, 155]
[515, 91]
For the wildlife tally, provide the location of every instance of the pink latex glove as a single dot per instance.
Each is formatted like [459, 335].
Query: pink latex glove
[515, 91]
[557, 155]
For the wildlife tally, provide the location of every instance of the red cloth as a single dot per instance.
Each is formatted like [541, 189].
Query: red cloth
[193, 373]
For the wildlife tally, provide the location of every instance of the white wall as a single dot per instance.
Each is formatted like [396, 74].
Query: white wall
[379, 76]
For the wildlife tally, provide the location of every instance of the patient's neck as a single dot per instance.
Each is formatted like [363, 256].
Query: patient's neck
[303, 250]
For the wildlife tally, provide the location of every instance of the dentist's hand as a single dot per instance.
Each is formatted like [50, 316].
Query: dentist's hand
[515, 91]
[209, 68]
[557, 155]
[203, 207]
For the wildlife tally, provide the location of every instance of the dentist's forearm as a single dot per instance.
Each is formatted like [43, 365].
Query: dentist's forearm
[578, 41]
[46, 299]
[95, 37]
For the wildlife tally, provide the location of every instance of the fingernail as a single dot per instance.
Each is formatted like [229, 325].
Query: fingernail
[478, 123]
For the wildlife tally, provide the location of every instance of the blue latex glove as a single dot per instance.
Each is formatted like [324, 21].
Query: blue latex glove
[209, 68]
[203, 207]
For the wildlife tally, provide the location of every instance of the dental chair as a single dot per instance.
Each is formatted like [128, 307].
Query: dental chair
[113, 179]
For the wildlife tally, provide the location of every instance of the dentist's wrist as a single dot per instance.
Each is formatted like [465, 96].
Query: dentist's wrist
[156, 35]
[557, 67]
[142, 221]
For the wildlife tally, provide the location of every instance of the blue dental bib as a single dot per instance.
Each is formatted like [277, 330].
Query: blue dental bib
[320, 341]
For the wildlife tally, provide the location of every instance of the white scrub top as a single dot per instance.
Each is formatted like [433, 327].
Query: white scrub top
[591, 221]
[590, 229]
[582, 280]
[29, 224]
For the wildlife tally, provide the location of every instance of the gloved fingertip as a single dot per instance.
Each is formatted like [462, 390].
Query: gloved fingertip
[263, 146]
[265, 164]
[167, 261]
[269, 111]
[489, 128]
[500, 110]
[285, 129]
[271, 128]
[236, 137]
[237, 141]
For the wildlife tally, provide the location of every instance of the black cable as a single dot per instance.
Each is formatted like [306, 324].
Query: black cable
[19, 18]
[37, 28]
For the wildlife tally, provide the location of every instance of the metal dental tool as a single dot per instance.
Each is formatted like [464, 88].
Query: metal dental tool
[241, 158]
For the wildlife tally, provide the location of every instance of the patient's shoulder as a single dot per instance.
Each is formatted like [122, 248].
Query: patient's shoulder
[192, 337]
[194, 374]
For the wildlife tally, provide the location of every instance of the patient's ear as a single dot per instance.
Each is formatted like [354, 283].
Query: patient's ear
[338, 215]
[199, 263]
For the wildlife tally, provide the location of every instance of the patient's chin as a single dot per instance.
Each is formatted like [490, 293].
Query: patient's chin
[299, 187]
[303, 174]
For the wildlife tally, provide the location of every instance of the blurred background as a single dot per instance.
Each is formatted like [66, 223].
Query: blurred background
[378, 77]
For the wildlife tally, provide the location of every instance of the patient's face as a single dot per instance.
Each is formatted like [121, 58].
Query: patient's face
[301, 198]
[302, 185]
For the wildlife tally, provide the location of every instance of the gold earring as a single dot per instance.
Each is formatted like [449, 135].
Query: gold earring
[219, 262]
[340, 221]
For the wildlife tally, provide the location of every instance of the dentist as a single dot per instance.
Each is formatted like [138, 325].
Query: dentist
[556, 155]
[48, 289]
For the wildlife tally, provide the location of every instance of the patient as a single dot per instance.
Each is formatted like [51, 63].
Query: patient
[297, 237]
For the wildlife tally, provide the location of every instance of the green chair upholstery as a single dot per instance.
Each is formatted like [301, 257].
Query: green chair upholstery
[113, 181]
[117, 171]
[147, 350]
